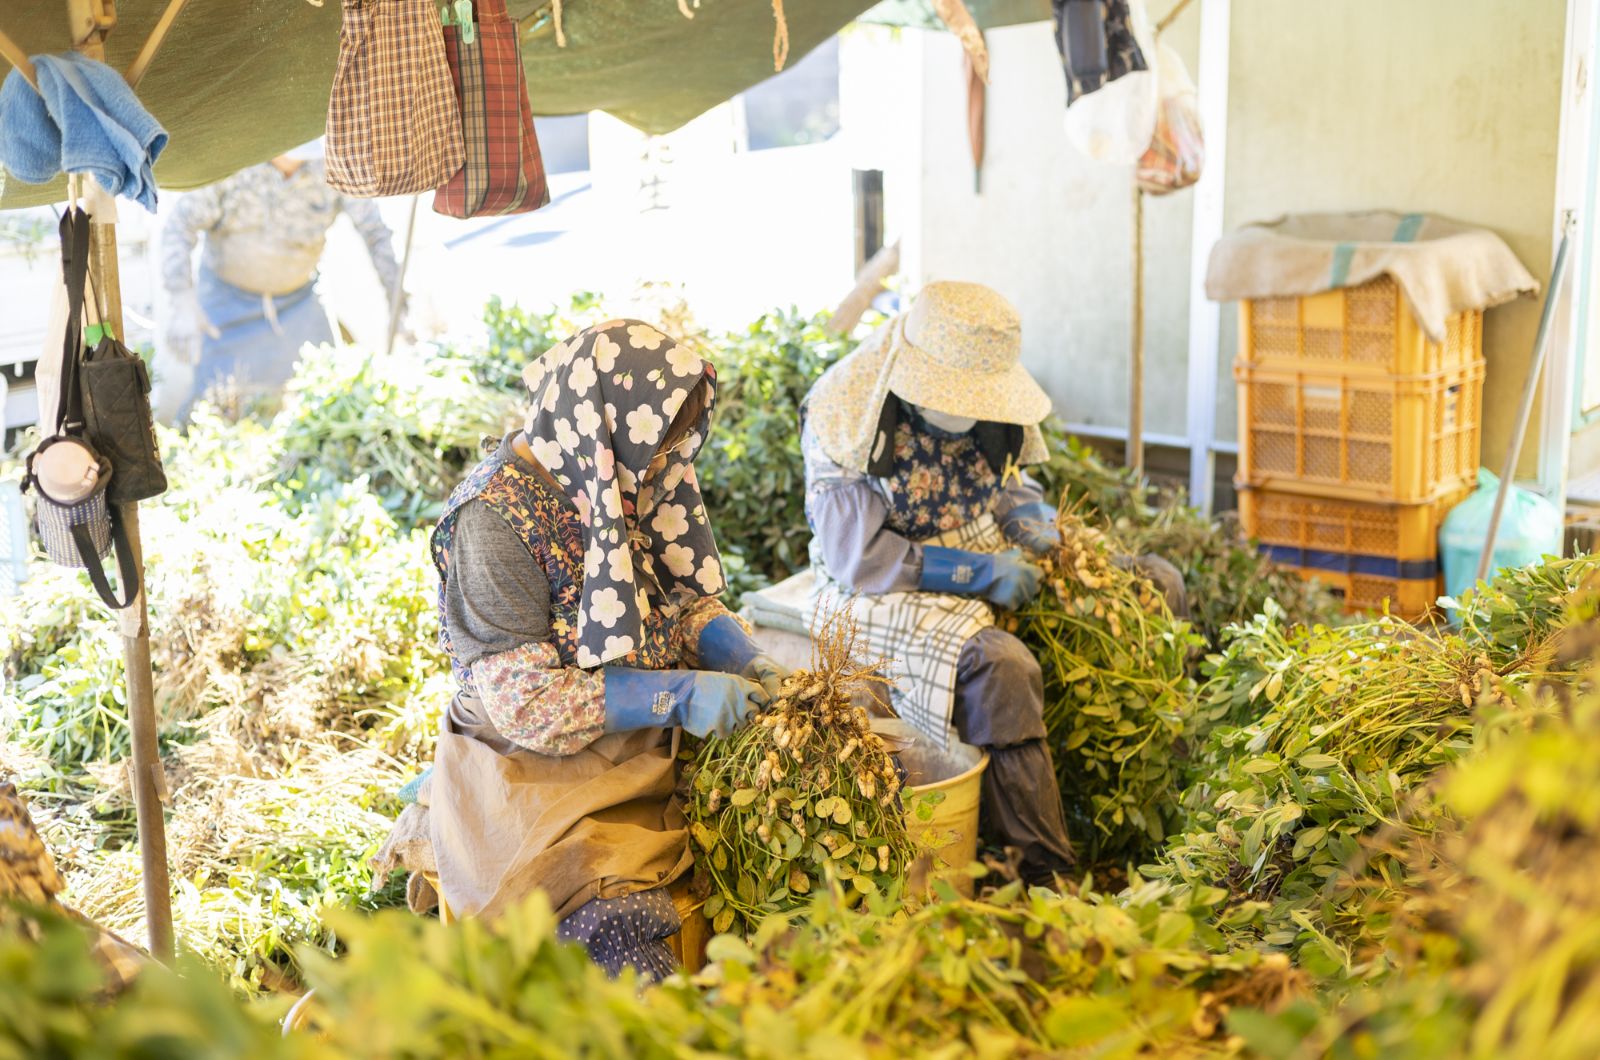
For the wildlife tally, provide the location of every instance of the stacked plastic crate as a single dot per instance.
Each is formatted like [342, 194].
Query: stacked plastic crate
[1356, 436]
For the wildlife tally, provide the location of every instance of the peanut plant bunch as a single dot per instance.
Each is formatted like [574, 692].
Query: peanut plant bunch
[805, 797]
[1117, 702]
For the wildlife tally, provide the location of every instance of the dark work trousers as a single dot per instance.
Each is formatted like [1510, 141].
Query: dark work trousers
[999, 706]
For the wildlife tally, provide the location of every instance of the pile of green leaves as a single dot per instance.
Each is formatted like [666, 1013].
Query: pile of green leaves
[751, 472]
[1493, 952]
[1011, 974]
[1226, 577]
[52, 1004]
[1116, 693]
[407, 424]
[1321, 739]
[298, 681]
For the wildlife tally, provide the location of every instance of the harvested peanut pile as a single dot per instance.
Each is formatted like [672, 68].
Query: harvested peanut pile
[804, 795]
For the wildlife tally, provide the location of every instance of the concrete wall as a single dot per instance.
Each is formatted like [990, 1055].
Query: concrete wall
[1444, 106]
[1052, 230]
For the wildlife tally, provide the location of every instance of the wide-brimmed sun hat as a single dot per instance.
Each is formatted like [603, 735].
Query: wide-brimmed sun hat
[960, 353]
[957, 350]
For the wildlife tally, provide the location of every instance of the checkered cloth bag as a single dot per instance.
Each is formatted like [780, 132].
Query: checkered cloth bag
[393, 123]
[503, 172]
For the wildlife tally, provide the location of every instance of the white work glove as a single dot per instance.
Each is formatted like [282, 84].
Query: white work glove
[185, 328]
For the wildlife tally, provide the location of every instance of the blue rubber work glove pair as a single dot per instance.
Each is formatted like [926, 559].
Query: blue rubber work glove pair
[701, 702]
[1005, 579]
[726, 647]
[1033, 526]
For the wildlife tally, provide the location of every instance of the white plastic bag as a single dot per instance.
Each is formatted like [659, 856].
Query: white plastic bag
[1115, 123]
[1177, 150]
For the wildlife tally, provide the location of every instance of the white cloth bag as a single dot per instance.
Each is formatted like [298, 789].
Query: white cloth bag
[1115, 123]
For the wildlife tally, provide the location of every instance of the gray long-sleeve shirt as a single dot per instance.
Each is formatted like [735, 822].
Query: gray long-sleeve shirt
[265, 232]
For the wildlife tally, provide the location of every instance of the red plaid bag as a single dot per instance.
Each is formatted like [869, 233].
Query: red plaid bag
[503, 172]
[393, 124]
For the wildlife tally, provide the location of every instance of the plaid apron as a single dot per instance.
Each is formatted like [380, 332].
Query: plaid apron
[504, 172]
[919, 636]
[393, 123]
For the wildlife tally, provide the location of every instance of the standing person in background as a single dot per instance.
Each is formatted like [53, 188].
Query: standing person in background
[242, 326]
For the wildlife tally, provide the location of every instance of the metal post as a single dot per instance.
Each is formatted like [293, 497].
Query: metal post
[1135, 452]
[1204, 314]
[90, 21]
[1541, 343]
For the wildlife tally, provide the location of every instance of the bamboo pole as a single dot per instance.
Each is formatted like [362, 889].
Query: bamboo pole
[152, 43]
[12, 53]
[90, 21]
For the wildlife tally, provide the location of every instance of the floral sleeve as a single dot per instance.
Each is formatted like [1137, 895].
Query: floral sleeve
[695, 615]
[537, 703]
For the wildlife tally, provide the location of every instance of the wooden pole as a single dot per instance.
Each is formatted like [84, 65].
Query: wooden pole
[90, 21]
[1135, 453]
[152, 44]
[12, 53]
[869, 281]
[397, 298]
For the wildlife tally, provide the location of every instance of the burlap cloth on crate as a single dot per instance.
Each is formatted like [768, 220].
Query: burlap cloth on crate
[1443, 267]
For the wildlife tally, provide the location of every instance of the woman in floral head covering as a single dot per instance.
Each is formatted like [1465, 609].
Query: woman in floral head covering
[579, 607]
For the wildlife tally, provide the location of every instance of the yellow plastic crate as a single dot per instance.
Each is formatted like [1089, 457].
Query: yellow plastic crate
[1360, 436]
[1410, 599]
[1367, 328]
[1305, 530]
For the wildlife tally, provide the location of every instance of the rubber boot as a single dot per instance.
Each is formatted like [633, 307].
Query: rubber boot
[1022, 809]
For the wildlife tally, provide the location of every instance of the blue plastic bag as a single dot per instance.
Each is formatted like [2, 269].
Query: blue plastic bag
[1530, 528]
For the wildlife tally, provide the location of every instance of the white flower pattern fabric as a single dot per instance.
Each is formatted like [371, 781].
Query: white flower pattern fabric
[604, 400]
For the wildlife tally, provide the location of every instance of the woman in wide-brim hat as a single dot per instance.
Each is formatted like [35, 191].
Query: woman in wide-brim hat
[923, 519]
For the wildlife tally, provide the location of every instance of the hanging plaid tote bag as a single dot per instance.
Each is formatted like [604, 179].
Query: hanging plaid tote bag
[503, 172]
[393, 123]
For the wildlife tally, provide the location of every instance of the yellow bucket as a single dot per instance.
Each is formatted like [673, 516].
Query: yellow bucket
[957, 773]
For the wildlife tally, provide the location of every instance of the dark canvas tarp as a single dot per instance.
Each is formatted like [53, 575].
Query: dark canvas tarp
[241, 80]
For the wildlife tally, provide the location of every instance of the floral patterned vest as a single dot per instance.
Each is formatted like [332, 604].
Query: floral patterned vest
[550, 528]
[940, 483]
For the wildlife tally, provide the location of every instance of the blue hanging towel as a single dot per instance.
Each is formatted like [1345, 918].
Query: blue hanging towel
[83, 118]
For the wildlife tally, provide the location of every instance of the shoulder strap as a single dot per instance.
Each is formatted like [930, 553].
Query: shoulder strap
[75, 270]
[127, 576]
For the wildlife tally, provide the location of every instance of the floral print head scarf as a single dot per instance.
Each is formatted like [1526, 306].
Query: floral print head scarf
[603, 403]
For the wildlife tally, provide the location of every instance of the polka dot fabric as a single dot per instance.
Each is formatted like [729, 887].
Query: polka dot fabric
[627, 932]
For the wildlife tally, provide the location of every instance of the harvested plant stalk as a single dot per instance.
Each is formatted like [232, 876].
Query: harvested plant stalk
[1116, 699]
[805, 796]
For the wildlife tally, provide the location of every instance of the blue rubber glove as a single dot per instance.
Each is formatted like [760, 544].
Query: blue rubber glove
[726, 647]
[1033, 526]
[703, 703]
[1006, 579]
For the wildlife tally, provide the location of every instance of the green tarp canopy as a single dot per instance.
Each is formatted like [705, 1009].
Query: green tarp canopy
[239, 81]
